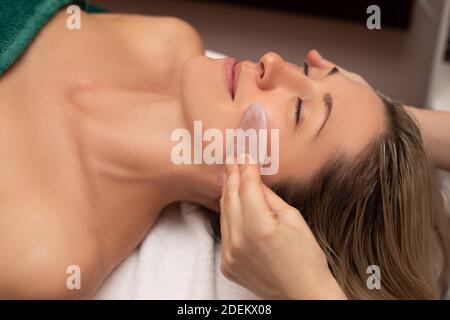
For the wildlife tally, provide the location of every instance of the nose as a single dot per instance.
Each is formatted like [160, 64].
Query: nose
[273, 71]
[270, 65]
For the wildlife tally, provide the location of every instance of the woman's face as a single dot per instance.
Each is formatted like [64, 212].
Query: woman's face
[319, 111]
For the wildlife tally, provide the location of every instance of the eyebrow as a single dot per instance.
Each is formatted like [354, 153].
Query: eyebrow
[327, 98]
[328, 102]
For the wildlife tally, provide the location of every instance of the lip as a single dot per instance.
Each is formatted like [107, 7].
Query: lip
[237, 73]
[232, 69]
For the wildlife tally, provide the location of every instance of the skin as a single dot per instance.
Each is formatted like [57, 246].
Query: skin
[84, 175]
[435, 128]
[86, 124]
[267, 246]
[357, 115]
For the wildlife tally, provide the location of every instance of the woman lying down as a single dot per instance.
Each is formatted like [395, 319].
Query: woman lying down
[86, 122]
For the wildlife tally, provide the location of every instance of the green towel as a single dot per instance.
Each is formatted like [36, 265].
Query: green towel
[21, 21]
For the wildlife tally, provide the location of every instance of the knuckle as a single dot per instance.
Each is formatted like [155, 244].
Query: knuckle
[235, 247]
[226, 256]
[225, 271]
[228, 261]
[293, 211]
[264, 233]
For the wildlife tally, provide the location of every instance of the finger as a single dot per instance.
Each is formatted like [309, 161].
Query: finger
[315, 59]
[224, 226]
[231, 199]
[253, 201]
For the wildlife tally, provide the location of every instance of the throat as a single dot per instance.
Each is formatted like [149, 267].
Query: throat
[126, 134]
[126, 140]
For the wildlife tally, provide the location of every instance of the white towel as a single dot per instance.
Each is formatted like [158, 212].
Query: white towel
[177, 260]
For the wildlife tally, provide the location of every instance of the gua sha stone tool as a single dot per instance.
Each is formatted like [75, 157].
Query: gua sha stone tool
[255, 118]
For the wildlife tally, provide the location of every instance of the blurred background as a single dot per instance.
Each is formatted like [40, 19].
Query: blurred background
[406, 59]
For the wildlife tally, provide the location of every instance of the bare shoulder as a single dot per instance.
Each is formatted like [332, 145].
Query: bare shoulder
[157, 46]
[167, 33]
[183, 32]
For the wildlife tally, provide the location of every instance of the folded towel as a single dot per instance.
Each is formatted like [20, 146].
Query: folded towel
[178, 259]
[21, 21]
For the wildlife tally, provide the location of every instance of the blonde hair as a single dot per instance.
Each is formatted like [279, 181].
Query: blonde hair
[383, 208]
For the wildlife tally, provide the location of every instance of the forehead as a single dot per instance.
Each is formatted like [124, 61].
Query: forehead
[359, 114]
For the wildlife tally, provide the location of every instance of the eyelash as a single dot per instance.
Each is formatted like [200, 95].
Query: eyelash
[298, 106]
[298, 109]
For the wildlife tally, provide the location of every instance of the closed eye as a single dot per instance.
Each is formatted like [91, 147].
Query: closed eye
[298, 106]
[298, 110]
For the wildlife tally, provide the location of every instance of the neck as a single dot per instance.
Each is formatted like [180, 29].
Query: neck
[196, 183]
[130, 141]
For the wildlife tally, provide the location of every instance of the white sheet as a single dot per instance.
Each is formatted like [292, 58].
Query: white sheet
[177, 260]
